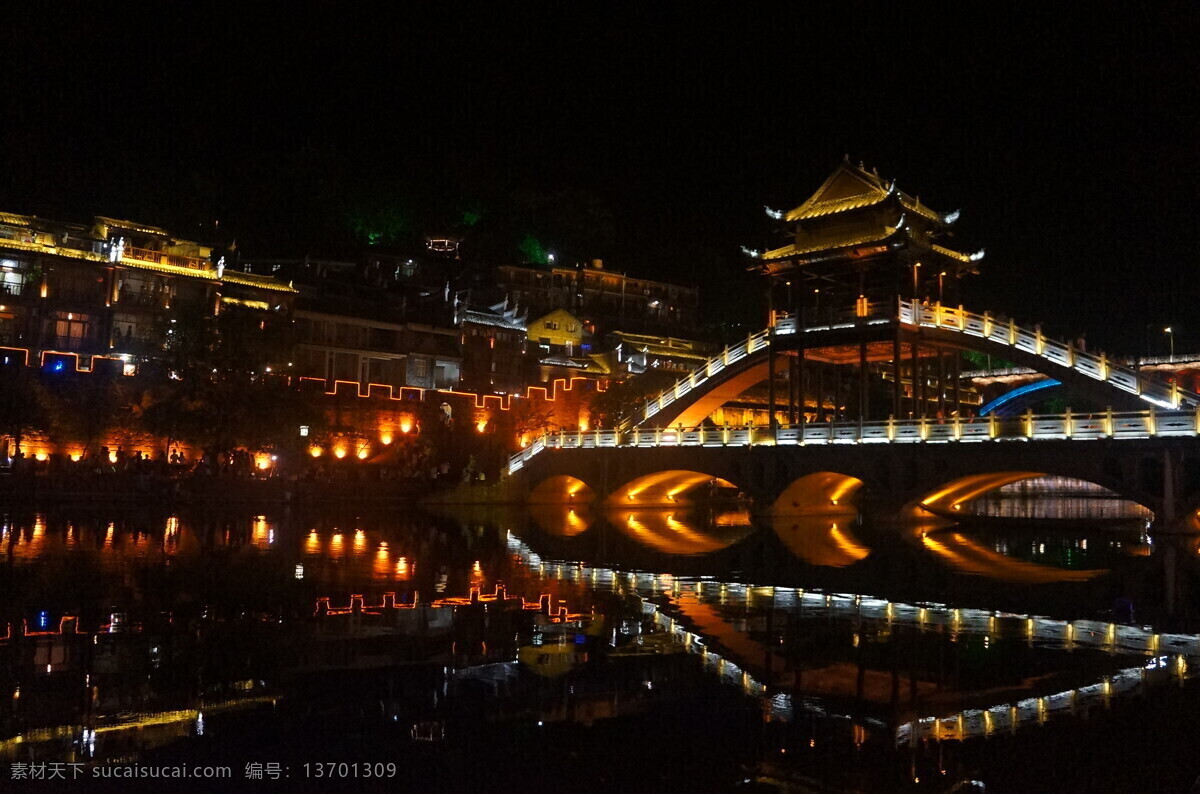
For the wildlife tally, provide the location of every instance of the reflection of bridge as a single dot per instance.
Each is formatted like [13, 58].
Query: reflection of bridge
[1170, 658]
[1150, 456]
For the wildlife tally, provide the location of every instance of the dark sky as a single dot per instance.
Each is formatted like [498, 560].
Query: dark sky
[1068, 135]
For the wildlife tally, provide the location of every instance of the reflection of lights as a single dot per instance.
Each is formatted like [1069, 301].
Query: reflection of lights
[336, 544]
[360, 541]
[402, 571]
[313, 544]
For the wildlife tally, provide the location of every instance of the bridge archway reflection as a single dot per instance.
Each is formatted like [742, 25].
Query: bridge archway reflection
[968, 555]
[565, 521]
[821, 540]
[680, 533]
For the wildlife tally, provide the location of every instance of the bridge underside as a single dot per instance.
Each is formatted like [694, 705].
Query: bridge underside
[889, 481]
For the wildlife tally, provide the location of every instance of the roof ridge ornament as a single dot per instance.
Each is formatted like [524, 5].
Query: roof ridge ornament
[776, 214]
[951, 217]
[750, 252]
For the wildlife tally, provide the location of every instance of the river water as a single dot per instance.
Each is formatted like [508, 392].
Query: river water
[1047, 643]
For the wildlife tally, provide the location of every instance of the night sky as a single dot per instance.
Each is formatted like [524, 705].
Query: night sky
[1068, 136]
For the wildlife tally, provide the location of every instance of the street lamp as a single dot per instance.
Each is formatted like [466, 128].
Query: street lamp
[1171, 339]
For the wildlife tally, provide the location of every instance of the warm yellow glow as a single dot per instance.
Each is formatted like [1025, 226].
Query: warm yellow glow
[312, 544]
[406, 424]
[385, 438]
[314, 451]
[112, 456]
[966, 555]
[262, 461]
[40, 456]
[818, 493]
[360, 541]
[339, 452]
[583, 424]
[362, 453]
[967, 488]
[481, 425]
[664, 487]
[561, 489]
[402, 568]
[336, 545]
[819, 540]
[75, 456]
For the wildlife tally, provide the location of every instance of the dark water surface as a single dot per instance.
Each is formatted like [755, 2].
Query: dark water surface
[503, 650]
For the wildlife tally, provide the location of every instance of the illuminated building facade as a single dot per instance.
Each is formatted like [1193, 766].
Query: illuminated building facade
[494, 349]
[122, 288]
[603, 299]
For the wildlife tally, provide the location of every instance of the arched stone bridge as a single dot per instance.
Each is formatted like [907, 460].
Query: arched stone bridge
[1160, 470]
[739, 367]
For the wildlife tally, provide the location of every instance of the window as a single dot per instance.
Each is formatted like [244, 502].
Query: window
[420, 368]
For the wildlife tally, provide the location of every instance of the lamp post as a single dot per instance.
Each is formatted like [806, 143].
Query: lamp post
[1171, 340]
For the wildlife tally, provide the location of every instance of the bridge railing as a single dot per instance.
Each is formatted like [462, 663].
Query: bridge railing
[1008, 333]
[785, 325]
[1030, 427]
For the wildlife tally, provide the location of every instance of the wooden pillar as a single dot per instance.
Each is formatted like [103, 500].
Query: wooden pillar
[863, 409]
[957, 370]
[820, 391]
[918, 389]
[770, 359]
[941, 383]
[897, 386]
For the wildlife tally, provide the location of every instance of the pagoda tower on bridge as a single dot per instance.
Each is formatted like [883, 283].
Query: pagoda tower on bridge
[854, 247]
[860, 236]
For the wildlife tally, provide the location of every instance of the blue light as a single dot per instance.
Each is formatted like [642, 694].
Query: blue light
[43, 619]
[58, 366]
[1020, 391]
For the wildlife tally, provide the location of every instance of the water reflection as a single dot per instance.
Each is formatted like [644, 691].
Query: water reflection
[119, 630]
[680, 533]
[821, 540]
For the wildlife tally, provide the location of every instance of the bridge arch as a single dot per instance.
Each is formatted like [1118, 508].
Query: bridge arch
[562, 489]
[948, 499]
[819, 493]
[669, 488]
[741, 366]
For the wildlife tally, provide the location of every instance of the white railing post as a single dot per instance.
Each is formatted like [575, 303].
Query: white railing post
[891, 427]
[987, 325]
[993, 429]
[1109, 427]
[1068, 419]
[1029, 423]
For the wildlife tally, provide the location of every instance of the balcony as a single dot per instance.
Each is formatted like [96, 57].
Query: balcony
[145, 255]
